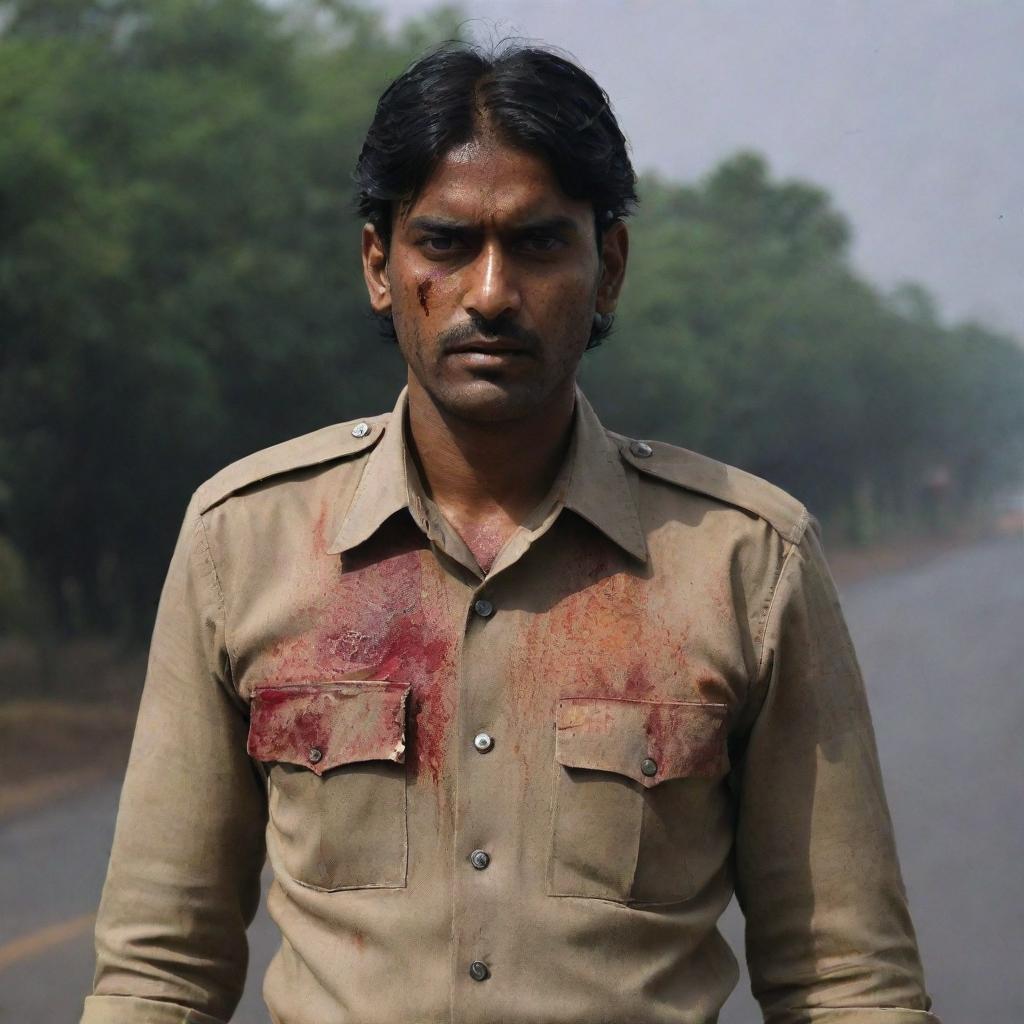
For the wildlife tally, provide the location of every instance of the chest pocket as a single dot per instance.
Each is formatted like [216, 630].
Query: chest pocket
[337, 786]
[641, 815]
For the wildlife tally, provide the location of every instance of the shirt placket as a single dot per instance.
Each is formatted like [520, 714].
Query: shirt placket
[484, 871]
[487, 848]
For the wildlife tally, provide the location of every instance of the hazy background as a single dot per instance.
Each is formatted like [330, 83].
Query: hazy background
[908, 112]
[826, 287]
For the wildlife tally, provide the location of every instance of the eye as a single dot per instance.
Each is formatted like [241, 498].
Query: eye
[439, 245]
[541, 243]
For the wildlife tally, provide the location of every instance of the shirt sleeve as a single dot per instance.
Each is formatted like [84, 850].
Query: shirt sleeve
[183, 880]
[829, 938]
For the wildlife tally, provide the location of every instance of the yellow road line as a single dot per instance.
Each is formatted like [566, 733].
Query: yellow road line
[46, 938]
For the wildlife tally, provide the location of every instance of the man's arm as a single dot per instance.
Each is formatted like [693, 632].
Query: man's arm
[183, 880]
[828, 933]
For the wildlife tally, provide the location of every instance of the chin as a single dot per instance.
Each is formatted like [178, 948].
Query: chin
[490, 401]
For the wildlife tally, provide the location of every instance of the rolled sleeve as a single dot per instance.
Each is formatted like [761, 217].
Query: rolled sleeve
[829, 938]
[183, 879]
[130, 1010]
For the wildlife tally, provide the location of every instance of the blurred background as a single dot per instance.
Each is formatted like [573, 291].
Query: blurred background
[826, 288]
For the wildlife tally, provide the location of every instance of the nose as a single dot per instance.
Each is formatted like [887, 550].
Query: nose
[492, 290]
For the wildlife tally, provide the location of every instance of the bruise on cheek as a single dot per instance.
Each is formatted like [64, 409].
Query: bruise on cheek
[423, 294]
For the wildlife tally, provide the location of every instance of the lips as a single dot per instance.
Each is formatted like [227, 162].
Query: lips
[496, 346]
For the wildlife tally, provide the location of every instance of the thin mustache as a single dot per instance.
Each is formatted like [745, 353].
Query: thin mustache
[470, 330]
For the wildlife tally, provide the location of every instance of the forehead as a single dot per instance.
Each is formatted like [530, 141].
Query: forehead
[486, 182]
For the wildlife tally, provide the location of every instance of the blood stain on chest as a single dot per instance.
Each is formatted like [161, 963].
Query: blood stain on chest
[599, 634]
[324, 725]
[382, 615]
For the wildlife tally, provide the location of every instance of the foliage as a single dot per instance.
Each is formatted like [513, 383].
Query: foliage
[179, 285]
[746, 335]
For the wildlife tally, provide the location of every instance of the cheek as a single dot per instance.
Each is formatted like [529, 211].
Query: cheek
[408, 299]
[423, 294]
[420, 307]
[570, 305]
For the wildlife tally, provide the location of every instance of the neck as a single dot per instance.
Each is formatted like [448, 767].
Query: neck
[477, 471]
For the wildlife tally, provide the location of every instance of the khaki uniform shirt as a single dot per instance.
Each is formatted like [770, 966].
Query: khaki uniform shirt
[525, 796]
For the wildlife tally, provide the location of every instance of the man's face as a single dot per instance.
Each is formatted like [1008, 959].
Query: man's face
[493, 276]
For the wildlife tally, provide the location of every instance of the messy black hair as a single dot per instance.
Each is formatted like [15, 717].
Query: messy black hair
[528, 97]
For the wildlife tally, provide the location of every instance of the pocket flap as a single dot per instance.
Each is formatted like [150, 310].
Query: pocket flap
[648, 741]
[323, 725]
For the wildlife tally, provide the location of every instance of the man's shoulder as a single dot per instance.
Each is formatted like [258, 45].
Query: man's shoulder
[717, 480]
[319, 448]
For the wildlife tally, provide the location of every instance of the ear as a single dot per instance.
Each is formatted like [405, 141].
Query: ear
[614, 253]
[375, 270]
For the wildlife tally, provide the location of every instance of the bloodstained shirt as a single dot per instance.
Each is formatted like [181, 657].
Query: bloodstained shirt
[524, 796]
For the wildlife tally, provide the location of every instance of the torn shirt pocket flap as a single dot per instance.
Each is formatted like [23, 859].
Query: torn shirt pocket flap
[647, 741]
[321, 726]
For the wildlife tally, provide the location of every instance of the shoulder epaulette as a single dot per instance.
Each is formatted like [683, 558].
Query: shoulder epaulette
[325, 445]
[725, 483]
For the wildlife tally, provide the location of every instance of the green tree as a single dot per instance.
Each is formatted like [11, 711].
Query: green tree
[178, 283]
[747, 335]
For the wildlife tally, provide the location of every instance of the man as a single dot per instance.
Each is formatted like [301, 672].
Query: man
[516, 702]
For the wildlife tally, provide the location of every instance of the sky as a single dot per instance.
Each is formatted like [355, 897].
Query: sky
[910, 112]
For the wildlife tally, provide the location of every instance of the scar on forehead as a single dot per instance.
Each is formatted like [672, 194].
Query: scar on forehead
[423, 292]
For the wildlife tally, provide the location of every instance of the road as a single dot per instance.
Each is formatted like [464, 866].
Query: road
[942, 648]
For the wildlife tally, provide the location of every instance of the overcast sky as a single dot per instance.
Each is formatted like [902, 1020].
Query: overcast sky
[910, 112]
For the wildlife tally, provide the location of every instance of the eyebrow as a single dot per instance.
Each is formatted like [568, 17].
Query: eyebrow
[543, 224]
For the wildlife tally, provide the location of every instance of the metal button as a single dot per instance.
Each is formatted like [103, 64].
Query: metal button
[479, 971]
[483, 742]
[641, 449]
[483, 608]
[480, 859]
[316, 755]
[649, 767]
[361, 430]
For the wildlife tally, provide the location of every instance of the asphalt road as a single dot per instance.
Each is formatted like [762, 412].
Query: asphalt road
[942, 649]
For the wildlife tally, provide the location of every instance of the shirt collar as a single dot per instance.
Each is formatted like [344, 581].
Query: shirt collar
[599, 488]
[594, 484]
[383, 489]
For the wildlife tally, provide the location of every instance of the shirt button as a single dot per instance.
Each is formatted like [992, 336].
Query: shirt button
[479, 971]
[316, 755]
[649, 767]
[483, 742]
[361, 430]
[641, 449]
[480, 859]
[483, 608]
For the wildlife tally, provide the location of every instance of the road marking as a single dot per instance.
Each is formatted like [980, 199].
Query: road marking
[46, 938]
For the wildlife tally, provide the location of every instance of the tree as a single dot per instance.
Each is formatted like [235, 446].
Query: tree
[177, 280]
[180, 285]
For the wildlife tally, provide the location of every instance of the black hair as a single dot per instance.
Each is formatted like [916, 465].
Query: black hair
[529, 97]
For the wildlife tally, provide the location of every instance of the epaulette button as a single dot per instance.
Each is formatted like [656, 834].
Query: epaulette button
[361, 430]
[641, 449]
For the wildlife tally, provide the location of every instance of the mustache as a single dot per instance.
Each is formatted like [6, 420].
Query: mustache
[477, 327]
